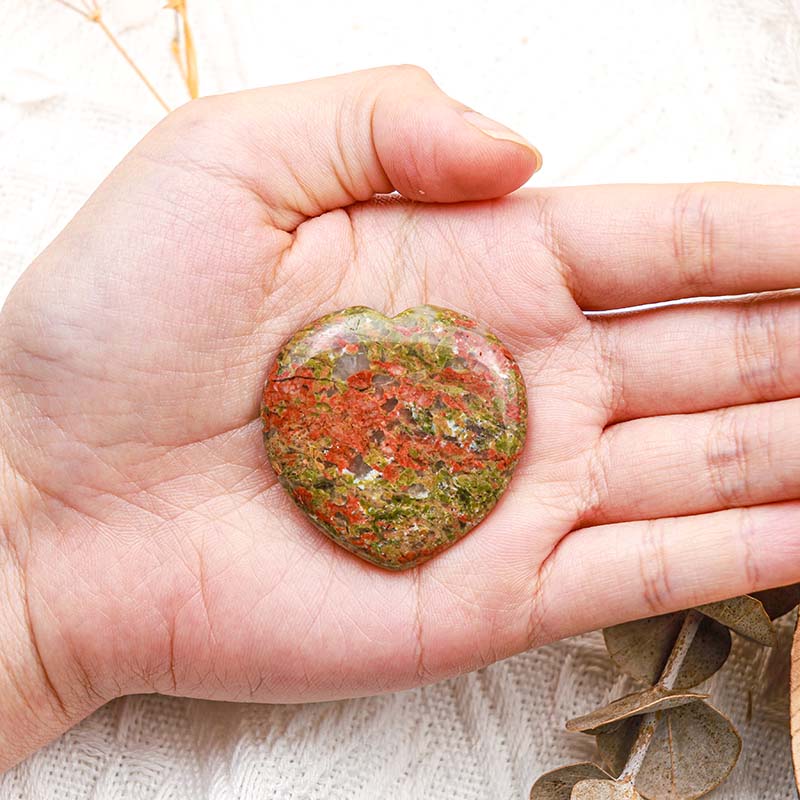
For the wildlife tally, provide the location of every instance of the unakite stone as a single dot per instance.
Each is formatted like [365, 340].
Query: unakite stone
[395, 435]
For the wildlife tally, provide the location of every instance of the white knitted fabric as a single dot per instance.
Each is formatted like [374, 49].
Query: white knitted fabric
[642, 90]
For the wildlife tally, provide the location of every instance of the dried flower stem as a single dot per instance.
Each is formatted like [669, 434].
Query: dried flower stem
[92, 13]
[669, 675]
[185, 56]
[113, 39]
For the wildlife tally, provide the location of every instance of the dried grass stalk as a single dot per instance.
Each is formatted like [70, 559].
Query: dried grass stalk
[182, 44]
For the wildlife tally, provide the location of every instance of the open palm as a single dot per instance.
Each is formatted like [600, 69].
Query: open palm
[663, 453]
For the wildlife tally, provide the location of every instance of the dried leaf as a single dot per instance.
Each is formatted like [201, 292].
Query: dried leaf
[745, 615]
[558, 784]
[794, 703]
[780, 601]
[693, 750]
[656, 698]
[594, 789]
[641, 648]
[615, 744]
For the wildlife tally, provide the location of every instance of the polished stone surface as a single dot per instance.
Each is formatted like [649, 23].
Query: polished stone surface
[396, 436]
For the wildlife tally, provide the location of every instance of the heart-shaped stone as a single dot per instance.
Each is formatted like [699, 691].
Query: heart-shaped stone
[396, 436]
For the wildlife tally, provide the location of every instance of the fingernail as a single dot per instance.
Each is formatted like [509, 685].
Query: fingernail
[498, 131]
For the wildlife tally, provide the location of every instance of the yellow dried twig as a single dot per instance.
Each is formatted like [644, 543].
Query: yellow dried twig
[183, 46]
[90, 10]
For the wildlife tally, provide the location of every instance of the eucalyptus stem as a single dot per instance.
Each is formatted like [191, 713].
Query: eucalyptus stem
[669, 675]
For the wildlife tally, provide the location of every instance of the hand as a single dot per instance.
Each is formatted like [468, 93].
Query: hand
[146, 545]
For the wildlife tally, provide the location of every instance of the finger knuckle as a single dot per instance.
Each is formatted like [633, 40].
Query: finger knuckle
[658, 594]
[595, 490]
[728, 447]
[610, 367]
[757, 345]
[538, 630]
[693, 237]
[747, 534]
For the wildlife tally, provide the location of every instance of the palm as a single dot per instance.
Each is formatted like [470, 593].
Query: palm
[257, 552]
[149, 381]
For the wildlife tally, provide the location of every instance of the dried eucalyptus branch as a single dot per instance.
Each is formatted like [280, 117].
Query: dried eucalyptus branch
[650, 721]
[666, 742]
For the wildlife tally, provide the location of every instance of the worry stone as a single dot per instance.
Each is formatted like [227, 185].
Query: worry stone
[395, 435]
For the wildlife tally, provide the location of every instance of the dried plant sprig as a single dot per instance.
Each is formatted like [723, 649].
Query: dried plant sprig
[90, 10]
[183, 46]
[637, 734]
[650, 721]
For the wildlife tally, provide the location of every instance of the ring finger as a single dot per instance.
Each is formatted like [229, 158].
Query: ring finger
[685, 464]
[694, 357]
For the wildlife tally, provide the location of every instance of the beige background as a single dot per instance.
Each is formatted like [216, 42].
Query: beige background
[612, 91]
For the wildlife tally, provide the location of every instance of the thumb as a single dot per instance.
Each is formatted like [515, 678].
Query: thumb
[311, 147]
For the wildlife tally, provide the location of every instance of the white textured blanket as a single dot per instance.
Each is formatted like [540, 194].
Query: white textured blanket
[615, 91]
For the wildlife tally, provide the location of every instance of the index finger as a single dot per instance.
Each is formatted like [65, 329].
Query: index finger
[628, 245]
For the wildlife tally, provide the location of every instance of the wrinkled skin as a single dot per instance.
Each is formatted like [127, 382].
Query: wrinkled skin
[146, 545]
